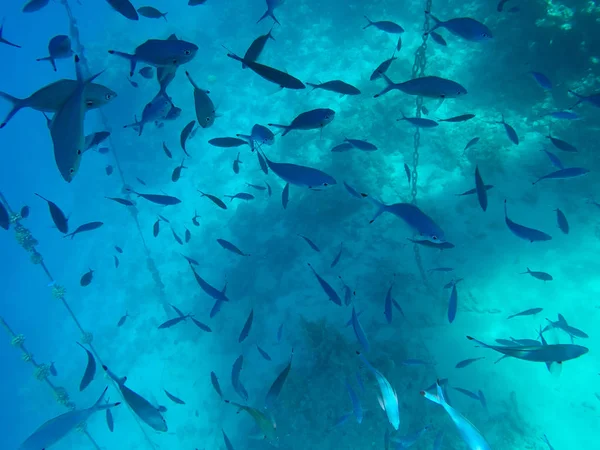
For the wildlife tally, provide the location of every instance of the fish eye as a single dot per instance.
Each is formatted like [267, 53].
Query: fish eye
[108, 96]
[174, 61]
[188, 52]
[325, 184]
[90, 103]
[208, 118]
[79, 152]
[71, 171]
[434, 238]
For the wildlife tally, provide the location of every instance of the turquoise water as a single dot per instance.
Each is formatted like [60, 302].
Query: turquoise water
[315, 42]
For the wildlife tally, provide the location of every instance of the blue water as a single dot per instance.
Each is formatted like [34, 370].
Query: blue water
[317, 41]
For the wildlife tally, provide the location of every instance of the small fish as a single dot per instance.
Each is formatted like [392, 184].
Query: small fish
[361, 145]
[523, 232]
[482, 399]
[336, 260]
[452, 304]
[123, 319]
[10, 44]
[481, 190]
[564, 115]
[164, 200]
[139, 180]
[471, 143]
[563, 174]
[231, 247]
[356, 406]
[419, 122]
[331, 293]
[280, 78]
[257, 46]
[227, 142]
[407, 172]
[85, 227]
[277, 385]
[383, 67]
[151, 13]
[241, 196]
[177, 172]
[385, 25]
[58, 217]
[86, 278]
[465, 27]
[467, 362]
[173, 398]
[539, 275]
[236, 370]
[258, 187]
[90, 369]
[562, 145]
[309, 120]
[510, 131]
[133, 84]
[353, 192]
[262, 163]
[264, 354]
[205, 108]
[468, 393]
[146, 72]
[310, 243]
[347, 297]
[190, 260]
[389, 398]
[176, 237]
[269, 190]
[359, 332]
[337, 86]
[110, 422]
[428, 243]
[156, 228]
[343, 147]
[195, 219]
[228, 444]
[461, 118]
[302, 176]
[122, 201]
[441, 269]
[546, 441]
[271, 5]
[215, 382]
[185, 134]
[24, 212]
[167, 151]
[104, 151]
[172, 322]
[542, 80]
[247, 326]
[554, 159]
[527, 312]
[437, 38]
[188, 235]
[593, 99]
[562, 222]
[109, 170]
[387, 305]
[116, 261]
[280, 333]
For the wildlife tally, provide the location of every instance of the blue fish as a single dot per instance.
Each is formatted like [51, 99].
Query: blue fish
[562, 222]
[480, 188]
[430, 87]
[383, 67]
[419, 122]
[452, 304]
[156, 110]
[356, 406]
[546, 441]
[389, 398]
[271, 5]
[556, 162]
[471, 143]
[562, 174]
[437, 38]
[384, 25]
[562, 145]
[523, 232]
[59, 47]
[309, 120]
[510, 131]
[337, 86]
[542, 80]
[564, 115]
[413, 217]
[310, 243]
[353, 192]
[300, 175]
[467, 362]
[361, 145]
[359, 332]
[257, 46]
[464, 27]
[593, 99]
[285, 195]
[331, 294]
[336, 260]
[468, 393]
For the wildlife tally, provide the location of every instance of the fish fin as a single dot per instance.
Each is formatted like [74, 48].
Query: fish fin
[16, 103]
[500, 359]
[286, 128]
[369, 24]
[389, 85]
[436, 24]
[432, 397]
[380, 208]
[131, 58]
[380, 401]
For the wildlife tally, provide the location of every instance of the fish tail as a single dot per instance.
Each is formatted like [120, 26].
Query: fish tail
[432, 397]
[389, 86]
[436, 24]
[131, 58]
[483, 344]
[265, 15]
[270, 35]
[286, 128]
[50, 59]
[380, 208]
[369, 24]
[314, 86]
[17, 105]
[274, 18]
[165, 16]
[101, 404]
[580, 97]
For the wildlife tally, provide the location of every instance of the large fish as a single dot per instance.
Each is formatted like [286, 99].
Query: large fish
[66, 128]
[271, 5]
[430, 87]
[309, 120]
[160, 53]
[139, 405]
[277, 385]
[464, 27]
[529, 234]
[125, 8]
[468, 432]
[156, 110]
[300, 175]
[55, 429]
[282, 79]
[389, 398]
[257, 46]
[52, 96]
[546, 353]
[205, 108]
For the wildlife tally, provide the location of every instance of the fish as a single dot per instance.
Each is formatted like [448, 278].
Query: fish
[227, 142]
[389, 398]
[215, 383]
[184, 136]
[260, 135]
[125, 8]
[539, 275]
[133, 84]
[546, 441]
[257, 47]
[427, 243]
[110, 422]
[336, 260]
[247, 326]
[269, 190]
[429, 87]
[173, 114]
[347, 298]
[122, 201]
[337, 86]
[470, 435]
[59, 47]
[523, 232]
[302, 176]
[4, 40]
[160, 53]
[263, 353]
[54, 430]
[467, 362]
[278, 383]
[258, 187]
[159, 199]
[236, 369]
[241, 196]
[195, 219]
[146, 72]
[482, 399]
[109, 170]
[471, 143]
[280, 333]
[58, 217]
[151, 13]
[176, 237]
[593, 99]
[542, 80]
[473, 191]
[309, 120]
[85, 227]
[361, 145]
[157, 109]
[262, 163]
[510, 131]
[419, 122]
[343, 147]
[562, 174]
[384, 25]
[387, 304]
[310, 243]
[201, 325]
[66, 127]
[52, 97]
[188, 235]
[452, 304]
[90, 369]
[139, 405]
[217, 201]
[356, 406]
[267, 426]
[220, 296]
[177, 171]
[53, 370]
[527, 312]
[353, 192]
[413, 217]
[480, 188]
[228, 444]
[563, 325]
[461, 118]
[409, 440]
[34, 5]
[94, 139]
[276, 76]
[383, 67]
[553, 159]
[86, 278]
[271, 5]
[173, 398]
[231, 247]
[359, 332]
[562, 222]
[563, 115]
[547, 353]
[172, 322]
[465, 27]
[24, 212]
[205, 108]
[441, 269]
[437, 38]
[156, 228]
[468, 393]
[122, 320]
[331, 293]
